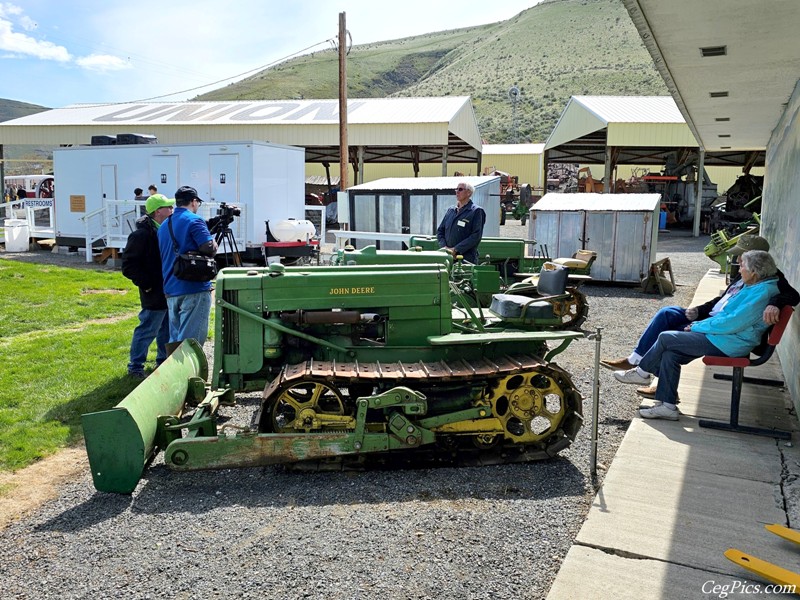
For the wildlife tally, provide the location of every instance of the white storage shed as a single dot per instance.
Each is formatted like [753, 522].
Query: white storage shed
[621, 228]
[413, 206]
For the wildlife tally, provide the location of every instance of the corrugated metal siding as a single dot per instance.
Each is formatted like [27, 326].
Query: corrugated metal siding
[601, 237]
[464, 125]
[586, 114]
[575, 122]
[612, 202]
[424, 183]
[373, 121]
[675, 135]
[624, 236]
[526, 149]
[632, 109]
[528, 167]
[781, 224]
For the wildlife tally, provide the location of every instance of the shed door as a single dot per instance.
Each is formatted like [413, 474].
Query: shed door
[571, 234]
[601, 237]
[632, 247]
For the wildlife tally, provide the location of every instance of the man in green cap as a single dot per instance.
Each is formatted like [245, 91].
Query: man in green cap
[141, 263]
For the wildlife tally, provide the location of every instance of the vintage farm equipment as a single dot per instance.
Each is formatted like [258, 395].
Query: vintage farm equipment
[722, 241]
[359, 364]
[518, 274]
[515, 199]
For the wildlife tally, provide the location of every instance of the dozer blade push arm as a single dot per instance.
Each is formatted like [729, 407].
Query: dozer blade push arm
[257, 450]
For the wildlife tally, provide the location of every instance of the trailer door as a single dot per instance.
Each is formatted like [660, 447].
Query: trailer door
[224, 172]
[164, 174]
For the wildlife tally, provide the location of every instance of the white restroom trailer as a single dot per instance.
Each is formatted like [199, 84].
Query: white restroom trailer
[94, 203]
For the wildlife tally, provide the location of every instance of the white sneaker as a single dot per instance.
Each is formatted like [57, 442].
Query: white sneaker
[653, 405]
[632, 376]
[659, 412]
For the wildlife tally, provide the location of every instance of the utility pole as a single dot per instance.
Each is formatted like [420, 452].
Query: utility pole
[344, 152]
[513, 95]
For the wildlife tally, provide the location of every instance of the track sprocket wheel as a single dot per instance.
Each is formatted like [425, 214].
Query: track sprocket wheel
[306, 406]
[572, 311]
[531, 406]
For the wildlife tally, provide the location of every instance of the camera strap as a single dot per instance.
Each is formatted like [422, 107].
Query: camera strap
[172, 235]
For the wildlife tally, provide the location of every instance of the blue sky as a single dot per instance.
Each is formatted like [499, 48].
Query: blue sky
[60, 52]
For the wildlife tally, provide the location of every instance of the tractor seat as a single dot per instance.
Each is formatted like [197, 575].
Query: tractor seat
[511, 306]
[580, 260]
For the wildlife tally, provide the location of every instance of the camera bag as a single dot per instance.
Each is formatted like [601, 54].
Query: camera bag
[191, 266]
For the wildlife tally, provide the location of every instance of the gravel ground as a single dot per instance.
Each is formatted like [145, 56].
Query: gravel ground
[489, 532]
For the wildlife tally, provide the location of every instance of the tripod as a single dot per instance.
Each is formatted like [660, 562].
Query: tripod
[225, 241]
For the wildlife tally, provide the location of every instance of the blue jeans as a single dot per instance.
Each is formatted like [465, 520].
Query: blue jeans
[671, 350]
[153, 324]
[669, 318]
[188, 316]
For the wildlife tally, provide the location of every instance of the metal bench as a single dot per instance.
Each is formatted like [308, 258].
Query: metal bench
[739, 379]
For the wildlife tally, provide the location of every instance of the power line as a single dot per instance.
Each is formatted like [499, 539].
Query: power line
[254, 70]
[261, 68]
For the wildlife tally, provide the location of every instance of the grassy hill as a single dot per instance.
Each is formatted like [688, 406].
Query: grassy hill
[23, 159]
[11, 109]
[549, 52]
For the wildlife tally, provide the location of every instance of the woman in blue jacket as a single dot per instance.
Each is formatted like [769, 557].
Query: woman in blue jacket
[734, 331]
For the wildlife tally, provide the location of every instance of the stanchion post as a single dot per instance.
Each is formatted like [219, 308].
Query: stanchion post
[597, 337]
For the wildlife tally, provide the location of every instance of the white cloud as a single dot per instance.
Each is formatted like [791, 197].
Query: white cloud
[20, 43]
[9, 9]
[102, 62]
[27, 23]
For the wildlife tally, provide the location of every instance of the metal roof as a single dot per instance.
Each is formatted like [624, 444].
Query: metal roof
[632, 109]
[514, 149]
[598, 202]
[389, 129]
[423, 183]
[641, 130]
[732, 98]
[586, 114]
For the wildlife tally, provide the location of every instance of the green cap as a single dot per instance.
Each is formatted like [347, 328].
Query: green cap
[157, 201]
[748, 242]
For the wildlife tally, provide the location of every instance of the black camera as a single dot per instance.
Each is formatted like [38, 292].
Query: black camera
[228, 212]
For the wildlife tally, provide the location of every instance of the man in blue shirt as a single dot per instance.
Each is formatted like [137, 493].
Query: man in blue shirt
[461, 229]
[188, 302]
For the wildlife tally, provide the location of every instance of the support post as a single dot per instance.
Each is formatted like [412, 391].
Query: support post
[698, 201]
[444, 160]
[598, 336]
[343, 148]
[3, 174]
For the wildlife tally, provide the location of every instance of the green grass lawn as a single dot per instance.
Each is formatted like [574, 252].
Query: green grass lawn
[64, 340]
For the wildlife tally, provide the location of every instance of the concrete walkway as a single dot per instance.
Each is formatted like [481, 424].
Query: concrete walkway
[676, 496]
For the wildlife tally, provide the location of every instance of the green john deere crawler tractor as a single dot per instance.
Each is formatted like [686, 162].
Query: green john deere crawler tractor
[504, 266]
[358, 364]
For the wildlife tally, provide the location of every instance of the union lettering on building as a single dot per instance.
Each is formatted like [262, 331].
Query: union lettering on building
[318, 111]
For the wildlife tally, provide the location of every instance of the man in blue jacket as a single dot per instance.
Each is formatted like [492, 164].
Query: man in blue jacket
[461, 230]
[188, 302]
